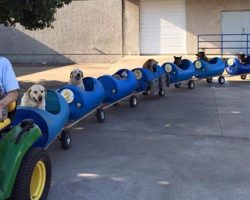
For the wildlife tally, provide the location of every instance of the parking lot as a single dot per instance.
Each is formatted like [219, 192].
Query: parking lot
[190, 144]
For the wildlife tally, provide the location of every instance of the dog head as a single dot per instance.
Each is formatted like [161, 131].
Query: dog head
[150, 64]
[201, 55]
[37, 94]
[76, 75]
[241, 56]
[178, 60]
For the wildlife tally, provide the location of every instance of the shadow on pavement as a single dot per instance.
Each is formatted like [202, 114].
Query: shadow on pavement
[28, 69]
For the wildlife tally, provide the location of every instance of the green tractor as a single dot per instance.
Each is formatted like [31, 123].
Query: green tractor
[25, 170]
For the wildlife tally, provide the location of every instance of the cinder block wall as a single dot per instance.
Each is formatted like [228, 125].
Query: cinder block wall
[204, 17]
[85, 31]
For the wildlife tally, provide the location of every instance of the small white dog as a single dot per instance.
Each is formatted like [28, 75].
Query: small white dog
[34, 97]
[76, 77]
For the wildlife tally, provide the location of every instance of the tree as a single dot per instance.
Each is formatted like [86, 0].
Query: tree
[32, 14]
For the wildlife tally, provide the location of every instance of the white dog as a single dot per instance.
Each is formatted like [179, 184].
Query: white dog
[34, 97]
[76, 77]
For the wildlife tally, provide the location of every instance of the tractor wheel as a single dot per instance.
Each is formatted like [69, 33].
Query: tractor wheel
[34, 176]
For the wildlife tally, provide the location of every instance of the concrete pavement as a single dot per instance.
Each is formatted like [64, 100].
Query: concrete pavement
[189, 145]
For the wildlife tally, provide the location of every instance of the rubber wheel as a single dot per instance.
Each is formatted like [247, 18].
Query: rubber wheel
[177, 85]
[209, 80]
[34, 176]
[221, 80]
[100, 114]
[191, 85]
[65, 139]
[162, 92]
[243, 77]
[145, 93]
[133, 101]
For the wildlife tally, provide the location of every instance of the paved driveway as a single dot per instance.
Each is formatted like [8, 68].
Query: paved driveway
[189, 145]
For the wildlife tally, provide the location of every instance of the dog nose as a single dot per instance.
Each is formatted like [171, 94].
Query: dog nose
[40, 98]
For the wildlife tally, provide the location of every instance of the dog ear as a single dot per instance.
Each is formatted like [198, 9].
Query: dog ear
[46, 92]
[71, 74]
[28, 93]
[81, 74]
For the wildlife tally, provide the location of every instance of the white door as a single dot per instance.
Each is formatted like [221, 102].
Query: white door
[163, 26]
[235, 22]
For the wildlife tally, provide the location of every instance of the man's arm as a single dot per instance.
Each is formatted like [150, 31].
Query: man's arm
[9, 98]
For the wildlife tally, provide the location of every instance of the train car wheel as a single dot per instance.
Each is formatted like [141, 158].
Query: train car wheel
[221, 80]
[65, 139]
[177, 85]
[100, 115]
[162, 92]
[133, 101]
[209, 80]
[191, 85]
[34, 176]
[145, 93]
[243, 77]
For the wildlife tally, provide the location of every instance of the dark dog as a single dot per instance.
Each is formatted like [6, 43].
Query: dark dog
[201, 56]
[178, 60]
[242, 58]
[150, 64]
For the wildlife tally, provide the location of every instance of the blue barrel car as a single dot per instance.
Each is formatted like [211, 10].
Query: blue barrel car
[83, 102]
[51, 121]
[179, 74]
[210, 69]
[119, 86]
[235, 67]
[154, 82]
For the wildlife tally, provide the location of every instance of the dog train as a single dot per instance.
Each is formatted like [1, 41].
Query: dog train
[54, 112]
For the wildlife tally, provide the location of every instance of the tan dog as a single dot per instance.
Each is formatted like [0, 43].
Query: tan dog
[34, 97]
[150, 64]
[76, 77]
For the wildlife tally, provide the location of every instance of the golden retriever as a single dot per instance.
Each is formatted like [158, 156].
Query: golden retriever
[76, 77]
[34, 97]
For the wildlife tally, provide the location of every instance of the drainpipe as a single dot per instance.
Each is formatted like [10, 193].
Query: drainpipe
[123, 24]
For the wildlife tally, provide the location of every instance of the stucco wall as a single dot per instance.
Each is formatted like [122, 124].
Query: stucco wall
[131, 20]
[85, 31]
[204, 17]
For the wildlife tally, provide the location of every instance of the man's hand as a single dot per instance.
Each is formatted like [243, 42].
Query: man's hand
[9, 98]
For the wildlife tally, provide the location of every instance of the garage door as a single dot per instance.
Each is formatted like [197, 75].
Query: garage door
[163, 26]
[239, 20]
